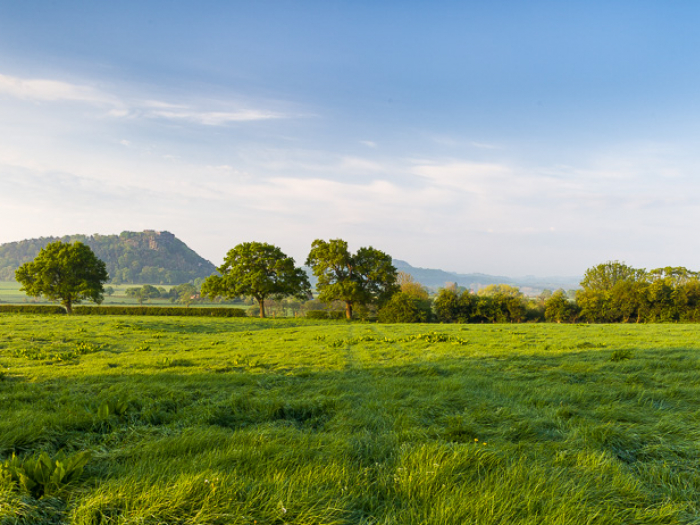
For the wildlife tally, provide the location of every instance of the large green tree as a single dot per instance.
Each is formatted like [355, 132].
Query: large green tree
[64, 272]
[364, 278]
[612, 292]
[257, 270]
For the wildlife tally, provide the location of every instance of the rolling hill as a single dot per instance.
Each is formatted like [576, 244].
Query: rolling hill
[155, 257]
[434, 279]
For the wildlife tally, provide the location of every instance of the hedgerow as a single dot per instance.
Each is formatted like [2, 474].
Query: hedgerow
[125, 310]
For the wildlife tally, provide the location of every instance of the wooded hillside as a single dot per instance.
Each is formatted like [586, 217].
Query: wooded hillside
[131, 257]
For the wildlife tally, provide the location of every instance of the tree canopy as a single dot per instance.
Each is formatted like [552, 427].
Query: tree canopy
[614, 292]
[364, 278]
[64, 272]
[258, 270]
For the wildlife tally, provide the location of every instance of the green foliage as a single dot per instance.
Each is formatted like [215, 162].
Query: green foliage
[42, 475]
[454, 307]
[403, 308]
[500, 304]
[361, 279]
[614, 292]
[185, 293]
[112, 407]
[69, 273]
[411, 287]
[559, 309]
[494, 304]
[143, 293]
[259, 270]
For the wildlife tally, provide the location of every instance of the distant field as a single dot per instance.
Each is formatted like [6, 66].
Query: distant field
[249, 421]
[9, 293]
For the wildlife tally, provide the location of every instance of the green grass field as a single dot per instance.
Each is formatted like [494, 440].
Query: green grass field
[243, 421]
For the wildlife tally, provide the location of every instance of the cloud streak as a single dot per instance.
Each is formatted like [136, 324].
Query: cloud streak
[45, 90]
[121, 107]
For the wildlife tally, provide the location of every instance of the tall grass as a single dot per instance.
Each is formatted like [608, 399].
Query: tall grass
[294, 421]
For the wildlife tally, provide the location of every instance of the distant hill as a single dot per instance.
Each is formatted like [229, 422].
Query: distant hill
[530, 285]
[131, 257]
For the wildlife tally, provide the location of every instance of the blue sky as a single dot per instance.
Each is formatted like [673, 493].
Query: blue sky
[499, 137]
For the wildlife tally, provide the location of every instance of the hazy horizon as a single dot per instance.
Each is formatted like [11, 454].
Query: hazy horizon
[506, 138]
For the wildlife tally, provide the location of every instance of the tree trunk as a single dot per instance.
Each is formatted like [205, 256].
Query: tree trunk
[261, 302]
[69, 307]
[348, 310]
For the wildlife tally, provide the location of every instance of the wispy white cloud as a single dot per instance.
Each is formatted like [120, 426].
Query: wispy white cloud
[52, 91]
[206, 113]
[483, 145]
[215, 118]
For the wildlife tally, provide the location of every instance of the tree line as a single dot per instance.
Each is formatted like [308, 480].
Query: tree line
[71, 273]
[611, 292]
[616, 293]
[368, 285]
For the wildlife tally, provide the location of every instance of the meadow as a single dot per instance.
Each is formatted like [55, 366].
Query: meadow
[249, 421]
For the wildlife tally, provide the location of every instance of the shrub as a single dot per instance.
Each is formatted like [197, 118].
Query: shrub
[42, 475]
[559, 309]
[402, 308]
[453, 307]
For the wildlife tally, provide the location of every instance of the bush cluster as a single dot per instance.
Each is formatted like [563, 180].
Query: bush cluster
[505, 305]
[402, 308]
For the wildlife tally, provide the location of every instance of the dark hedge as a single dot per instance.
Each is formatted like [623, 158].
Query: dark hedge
[124, 310]
[31, 309]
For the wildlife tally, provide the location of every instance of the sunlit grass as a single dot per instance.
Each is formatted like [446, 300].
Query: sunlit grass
[294, 421]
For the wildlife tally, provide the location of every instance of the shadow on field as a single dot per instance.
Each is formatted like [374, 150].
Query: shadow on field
[581, 396]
